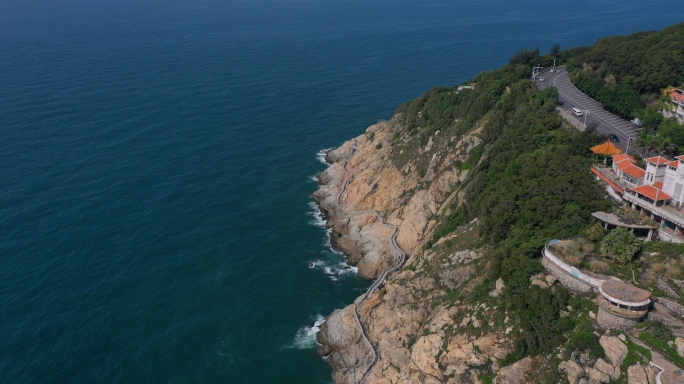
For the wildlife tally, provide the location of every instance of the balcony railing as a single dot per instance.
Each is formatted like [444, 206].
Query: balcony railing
[660, 211]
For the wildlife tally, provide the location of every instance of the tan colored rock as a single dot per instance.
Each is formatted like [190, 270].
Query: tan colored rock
[341, 341]
[604, 367]
[616, 350]
[491, 346]
[540, 284]
[516, 373]
[362, 180]
[574, 370]
[651, 373]
[636, 374]
[679, 346]
[551, 279]
[424, 352]
[597, 376]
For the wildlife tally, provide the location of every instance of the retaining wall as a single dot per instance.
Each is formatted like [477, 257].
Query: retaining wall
[608, 320]
[672, 306]
[569, 277]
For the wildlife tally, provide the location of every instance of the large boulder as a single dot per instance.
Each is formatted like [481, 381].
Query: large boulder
[636, 374]
[597, 376]
[574, 370]
[679, 346]
[341, 340]
[515, 373]
[604, 367]
[615, 350]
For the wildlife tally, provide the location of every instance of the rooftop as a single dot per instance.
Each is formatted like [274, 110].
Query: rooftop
[621, 157]
[616, 289]
[634, 171]
[606, 148]
[675, 94]
[658, 160]
[652, 193]
[623, 220]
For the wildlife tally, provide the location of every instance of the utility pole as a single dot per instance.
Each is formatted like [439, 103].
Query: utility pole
[629, 140]
[535, 70]
[586, 112]
[554, 65]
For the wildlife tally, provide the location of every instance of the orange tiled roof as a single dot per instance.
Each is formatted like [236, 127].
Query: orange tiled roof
[621, 165]
[634, 171]
[673, 164]
[606, 148]
[674, 94]
[622, 157]
[652, 193]
[658, 160]
[658, 184]
[607, 181]
[681, 157]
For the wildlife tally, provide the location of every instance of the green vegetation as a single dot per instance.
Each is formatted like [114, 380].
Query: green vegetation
[627, 75]
[529, 183]
[528, 178]
[636, 354]
[620, 245]
[670, 353]
[622, 72]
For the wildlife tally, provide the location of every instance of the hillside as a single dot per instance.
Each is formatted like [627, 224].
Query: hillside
[469, 183]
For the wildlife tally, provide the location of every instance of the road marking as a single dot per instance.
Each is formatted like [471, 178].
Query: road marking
[621, 126]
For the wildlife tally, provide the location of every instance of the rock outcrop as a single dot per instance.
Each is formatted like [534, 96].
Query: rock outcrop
[417, 339]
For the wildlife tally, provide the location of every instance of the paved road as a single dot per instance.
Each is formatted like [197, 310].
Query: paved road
[571, 97]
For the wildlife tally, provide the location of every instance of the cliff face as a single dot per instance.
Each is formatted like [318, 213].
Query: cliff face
[413, 330]
[364, 177]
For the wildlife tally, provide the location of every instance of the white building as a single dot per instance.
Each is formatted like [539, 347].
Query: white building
[675, 105]
[626, 170]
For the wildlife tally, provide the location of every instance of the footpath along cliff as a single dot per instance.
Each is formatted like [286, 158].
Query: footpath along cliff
[396, 334]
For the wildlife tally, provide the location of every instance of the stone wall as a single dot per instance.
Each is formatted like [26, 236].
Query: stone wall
[672, 306]
[608, 320]
[566, 279]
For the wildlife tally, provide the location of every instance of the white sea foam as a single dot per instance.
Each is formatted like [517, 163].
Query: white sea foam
[306, 336]
[321, 155]
[334, 269]
[319, 219]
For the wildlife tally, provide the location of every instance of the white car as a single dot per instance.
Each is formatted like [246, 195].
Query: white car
[541, 78]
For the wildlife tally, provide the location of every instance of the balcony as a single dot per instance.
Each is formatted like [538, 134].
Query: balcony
[665, 211]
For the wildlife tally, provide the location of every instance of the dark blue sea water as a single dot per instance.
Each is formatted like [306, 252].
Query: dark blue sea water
[156, 162]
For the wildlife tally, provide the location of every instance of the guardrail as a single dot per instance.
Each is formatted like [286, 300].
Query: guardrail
[653, 208]
[399, 258]
[574, 272]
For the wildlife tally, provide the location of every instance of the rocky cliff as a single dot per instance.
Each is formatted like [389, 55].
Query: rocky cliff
[414, 329]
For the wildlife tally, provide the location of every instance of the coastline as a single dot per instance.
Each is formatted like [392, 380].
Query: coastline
[331, 201]
[379, 211]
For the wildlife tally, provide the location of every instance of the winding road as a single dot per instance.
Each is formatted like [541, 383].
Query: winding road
[399, 257]
[571, 97]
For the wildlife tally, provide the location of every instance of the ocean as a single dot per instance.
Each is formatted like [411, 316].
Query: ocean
[157, 160]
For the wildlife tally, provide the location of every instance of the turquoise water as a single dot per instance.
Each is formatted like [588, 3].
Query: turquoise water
[157, 158]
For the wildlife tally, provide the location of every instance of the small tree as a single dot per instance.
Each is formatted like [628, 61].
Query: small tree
[596, 232]
[620, 245]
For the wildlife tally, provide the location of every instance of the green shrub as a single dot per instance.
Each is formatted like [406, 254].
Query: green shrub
[620, 245]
